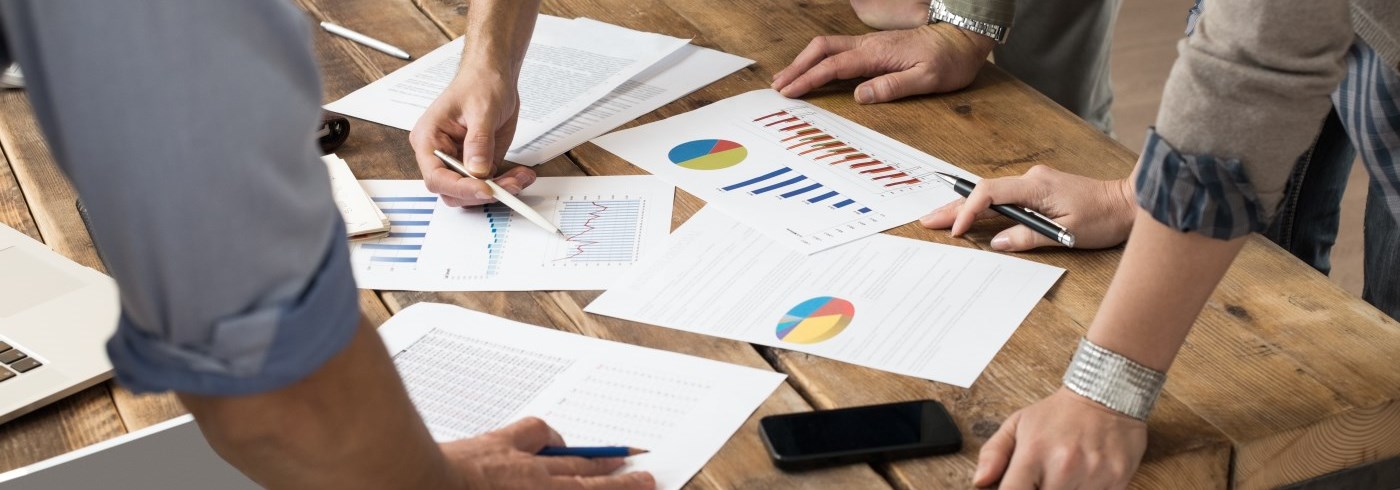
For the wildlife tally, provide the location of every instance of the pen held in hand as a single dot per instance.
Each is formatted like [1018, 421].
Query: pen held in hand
[1033, 220]
[502, 195]
[592, 452]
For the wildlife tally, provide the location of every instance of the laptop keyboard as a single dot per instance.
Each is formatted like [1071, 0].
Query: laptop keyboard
[14, 362]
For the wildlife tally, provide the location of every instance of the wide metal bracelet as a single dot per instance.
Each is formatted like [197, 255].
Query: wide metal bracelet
[938, 12]
[1114, 381]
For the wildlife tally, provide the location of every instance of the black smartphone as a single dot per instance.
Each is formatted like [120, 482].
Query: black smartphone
[799, 441]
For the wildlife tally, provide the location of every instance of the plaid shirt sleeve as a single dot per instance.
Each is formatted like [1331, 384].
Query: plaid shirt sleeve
[1196, 193]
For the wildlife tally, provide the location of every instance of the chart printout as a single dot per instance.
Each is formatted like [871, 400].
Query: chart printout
[468, 373]
[803, 176]
[906, 306]
[608, 223]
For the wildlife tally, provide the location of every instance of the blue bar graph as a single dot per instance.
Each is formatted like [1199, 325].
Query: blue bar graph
[758, 179]
[498, 221]
[406, 236]
[789, 184]
[801, 191]
[782, 184]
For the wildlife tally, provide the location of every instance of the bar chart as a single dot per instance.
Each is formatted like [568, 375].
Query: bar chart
[498, 218]
[785, 183]
[808, 133]
[409, 218]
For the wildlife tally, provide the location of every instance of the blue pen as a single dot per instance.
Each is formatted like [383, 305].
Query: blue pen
[591, 452]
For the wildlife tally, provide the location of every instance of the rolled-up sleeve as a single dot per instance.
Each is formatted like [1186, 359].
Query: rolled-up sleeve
[186, 127]
[1245, 98]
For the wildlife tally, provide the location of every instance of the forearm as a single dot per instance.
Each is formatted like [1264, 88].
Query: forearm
[1161, 285]
[498, 33]
[350, 424]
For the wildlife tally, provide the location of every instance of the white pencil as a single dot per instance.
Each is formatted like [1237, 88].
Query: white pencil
[502, 195]
[372, 43]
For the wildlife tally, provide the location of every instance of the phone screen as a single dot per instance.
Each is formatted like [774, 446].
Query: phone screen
[894, 430]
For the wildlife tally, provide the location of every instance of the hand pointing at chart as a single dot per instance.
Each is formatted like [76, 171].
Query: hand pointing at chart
[475, 116]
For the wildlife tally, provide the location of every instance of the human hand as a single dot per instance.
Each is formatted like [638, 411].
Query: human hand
[1099, 212]
[891, 14]
[926, 59]
[475, 118]
[1062, 441]
[505, 459]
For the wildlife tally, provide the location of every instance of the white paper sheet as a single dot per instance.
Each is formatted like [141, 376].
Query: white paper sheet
[570, 65]
[611, 222]
[906, 306]
[806, 177]
[683, 72]
[469, 372]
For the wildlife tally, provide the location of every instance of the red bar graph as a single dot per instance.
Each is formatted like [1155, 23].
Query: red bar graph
[799, 133]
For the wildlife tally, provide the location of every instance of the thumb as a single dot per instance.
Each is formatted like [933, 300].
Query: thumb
[478, 148]
[1020, 238]
[897, 85]
[996, 453]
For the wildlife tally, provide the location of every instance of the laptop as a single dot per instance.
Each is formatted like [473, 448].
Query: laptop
[55, 319]
[169, 455]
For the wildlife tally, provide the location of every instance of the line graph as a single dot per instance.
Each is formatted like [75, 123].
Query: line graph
[599, 231]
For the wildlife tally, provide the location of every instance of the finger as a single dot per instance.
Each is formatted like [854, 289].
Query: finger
[479, 146]
[897, 85]
[1010, 190]
[629, 481]
[445, 182]
[1024, 473]
[516, 179]
[531, 434]
[1020, 238]
[571, 466]
[1066, 470]
[849, 64]
[942, 217]
[818, 49]
[996, 453]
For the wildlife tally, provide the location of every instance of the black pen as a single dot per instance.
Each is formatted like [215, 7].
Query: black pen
[1036, 221]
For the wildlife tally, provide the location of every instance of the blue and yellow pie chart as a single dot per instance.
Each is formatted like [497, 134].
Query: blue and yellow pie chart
[815, 320]
[711, 154]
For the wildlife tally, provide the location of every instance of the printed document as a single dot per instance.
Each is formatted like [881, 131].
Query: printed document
[609, 223]
[571, 64]
[469, 373]
[805, 177]
[906, 306]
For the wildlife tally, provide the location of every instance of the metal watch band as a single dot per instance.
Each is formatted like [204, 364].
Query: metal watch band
[1114, 381]
[938, 12]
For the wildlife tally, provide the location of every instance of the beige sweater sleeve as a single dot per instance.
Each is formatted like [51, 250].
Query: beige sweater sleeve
[1253, 83]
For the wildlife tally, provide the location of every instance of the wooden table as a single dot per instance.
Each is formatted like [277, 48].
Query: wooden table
[1285, 376]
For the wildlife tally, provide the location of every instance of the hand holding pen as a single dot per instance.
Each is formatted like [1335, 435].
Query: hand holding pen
[1098, 214]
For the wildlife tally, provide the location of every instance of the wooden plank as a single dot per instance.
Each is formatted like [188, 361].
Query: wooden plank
[743, 461]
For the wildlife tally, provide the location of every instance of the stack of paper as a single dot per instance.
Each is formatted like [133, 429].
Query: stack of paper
[580, 79]
[363, 219]
[469, 373]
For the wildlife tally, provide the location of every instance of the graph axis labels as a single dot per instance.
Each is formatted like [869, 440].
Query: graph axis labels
[815, 320]
[708, 154]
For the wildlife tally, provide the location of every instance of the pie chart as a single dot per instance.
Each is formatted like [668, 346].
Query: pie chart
[708, 154]
[815, 320]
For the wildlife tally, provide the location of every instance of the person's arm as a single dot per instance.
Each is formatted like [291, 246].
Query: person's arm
[914, 58]
[475, 116]
[1244, 99]
[187, 129]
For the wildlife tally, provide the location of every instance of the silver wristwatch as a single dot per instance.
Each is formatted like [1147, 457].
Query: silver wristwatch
[1114, 381]
[938, 12]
